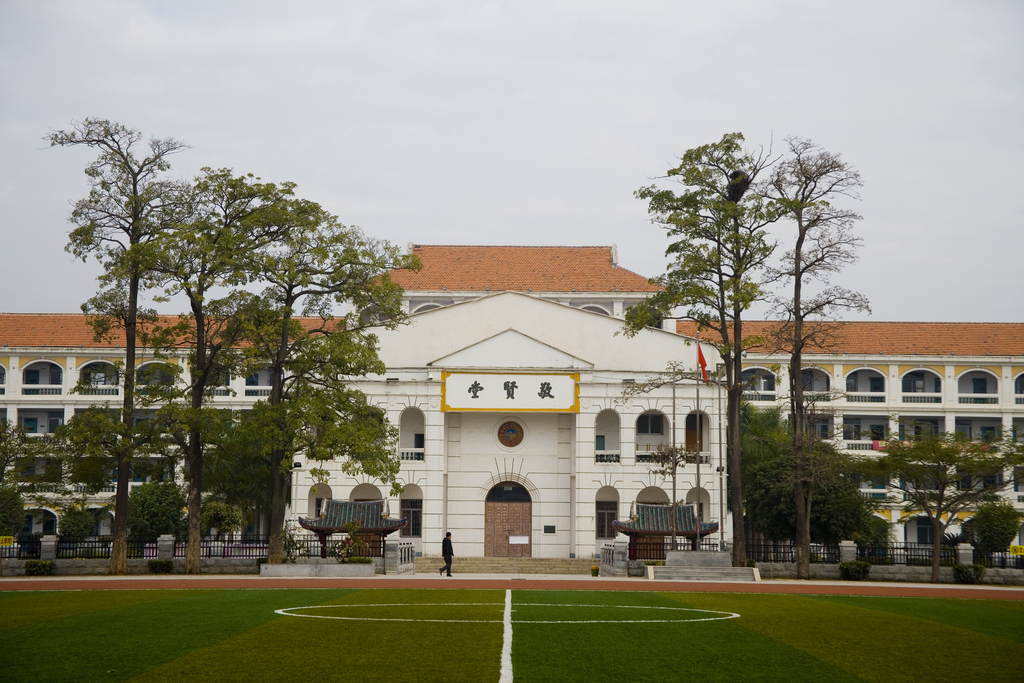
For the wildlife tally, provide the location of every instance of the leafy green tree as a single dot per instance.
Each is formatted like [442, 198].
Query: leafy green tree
[994, 526]
[12, 511]
[841, 514]
[943, 475]
[118, 223]
[226, 519]
[719, 249]
[75, 522]
[315, 265]
[237, 466]
[220, 219]
[804, 188]
[156, 508]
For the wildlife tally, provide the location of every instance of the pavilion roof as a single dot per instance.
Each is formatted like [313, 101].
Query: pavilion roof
[337, 514]
[655, 520]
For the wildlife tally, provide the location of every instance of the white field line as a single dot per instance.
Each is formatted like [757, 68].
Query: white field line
[506, 642]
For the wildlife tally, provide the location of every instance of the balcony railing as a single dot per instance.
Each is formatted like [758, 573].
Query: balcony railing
[41, 391]
[606, 456]
[975, 400]
[862, 397]
[922, 398]
[1019, 400]
[100, 391]
[651, 456]
[3, 390]
[411, 454]
[222, 391]
[859, 445]
[758, 396]
[873, 495]
[258, 392]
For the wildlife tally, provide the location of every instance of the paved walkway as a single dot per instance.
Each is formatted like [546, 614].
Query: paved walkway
[513, 581]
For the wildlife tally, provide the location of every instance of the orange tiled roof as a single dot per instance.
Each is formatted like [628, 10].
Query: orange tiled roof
[902, 338]
[63, 330]
[541, 269]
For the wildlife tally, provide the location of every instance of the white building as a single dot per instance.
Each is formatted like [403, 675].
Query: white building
[886, 378]
[561, 452]
[508, 389]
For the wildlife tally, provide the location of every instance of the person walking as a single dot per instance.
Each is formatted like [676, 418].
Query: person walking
[447, 553]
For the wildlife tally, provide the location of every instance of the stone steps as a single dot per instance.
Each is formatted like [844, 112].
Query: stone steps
[505, 565]
[703, 574]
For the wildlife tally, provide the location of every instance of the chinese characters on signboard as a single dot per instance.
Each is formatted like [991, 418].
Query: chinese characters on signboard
[471, 391]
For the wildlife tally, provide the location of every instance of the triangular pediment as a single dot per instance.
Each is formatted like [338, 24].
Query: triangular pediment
[511, 349]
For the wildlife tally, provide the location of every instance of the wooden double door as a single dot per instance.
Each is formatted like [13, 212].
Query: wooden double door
[502, 520]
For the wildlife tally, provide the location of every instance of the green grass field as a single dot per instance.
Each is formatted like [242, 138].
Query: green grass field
[457, 635]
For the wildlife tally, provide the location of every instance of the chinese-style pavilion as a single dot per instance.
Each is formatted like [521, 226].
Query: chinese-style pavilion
[336, 515]
[650, 524]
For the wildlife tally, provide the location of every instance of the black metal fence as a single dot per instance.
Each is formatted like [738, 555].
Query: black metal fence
[24, 548]
[99, 548]
[998, 560]
[786, 552]
[910, 554]
[246, 547]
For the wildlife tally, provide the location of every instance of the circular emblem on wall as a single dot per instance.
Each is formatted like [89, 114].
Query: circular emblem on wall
[510, 434]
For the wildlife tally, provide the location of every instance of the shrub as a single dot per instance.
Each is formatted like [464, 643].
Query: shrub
[751, 563]
[226, 519]
[161, 566]
[156, 508]
[994, 526]
[595, 570]
[356, 559]
[968, 573]
[75, 523]
[654, 563]
[854, 570]
[39, 567]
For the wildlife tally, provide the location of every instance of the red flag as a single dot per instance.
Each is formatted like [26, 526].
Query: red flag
[702, 363]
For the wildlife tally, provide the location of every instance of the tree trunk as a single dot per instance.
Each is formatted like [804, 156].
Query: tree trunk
[119, 534]
[734, 374]
[279, 480]
[193, 550]
[119, 540]
[936, 547]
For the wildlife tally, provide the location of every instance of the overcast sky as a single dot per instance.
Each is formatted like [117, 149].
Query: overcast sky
[534, 122]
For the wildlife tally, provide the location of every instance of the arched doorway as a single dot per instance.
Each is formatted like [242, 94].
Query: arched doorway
[508, 511]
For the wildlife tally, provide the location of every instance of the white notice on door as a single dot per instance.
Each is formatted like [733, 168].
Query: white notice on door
[519, 540]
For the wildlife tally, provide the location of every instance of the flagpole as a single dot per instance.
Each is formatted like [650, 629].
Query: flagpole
[700, 367]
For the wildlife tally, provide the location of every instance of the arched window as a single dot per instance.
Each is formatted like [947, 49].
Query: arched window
[364, 493]
[315, 504]
[697, 432]
[606, 511]
[652, 495]
[703, 502]
[508, 492]
[411, 503]
[41, 373]
[758, 384]
[922, 382]
[606, 437]
[411, 440]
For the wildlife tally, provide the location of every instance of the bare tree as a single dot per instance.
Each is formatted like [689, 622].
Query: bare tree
[803, 188]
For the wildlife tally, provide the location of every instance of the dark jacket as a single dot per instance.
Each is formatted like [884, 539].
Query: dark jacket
[446, 547]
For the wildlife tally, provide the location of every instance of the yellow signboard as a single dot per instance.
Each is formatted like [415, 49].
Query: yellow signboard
[6, 541]
[1017, 549]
